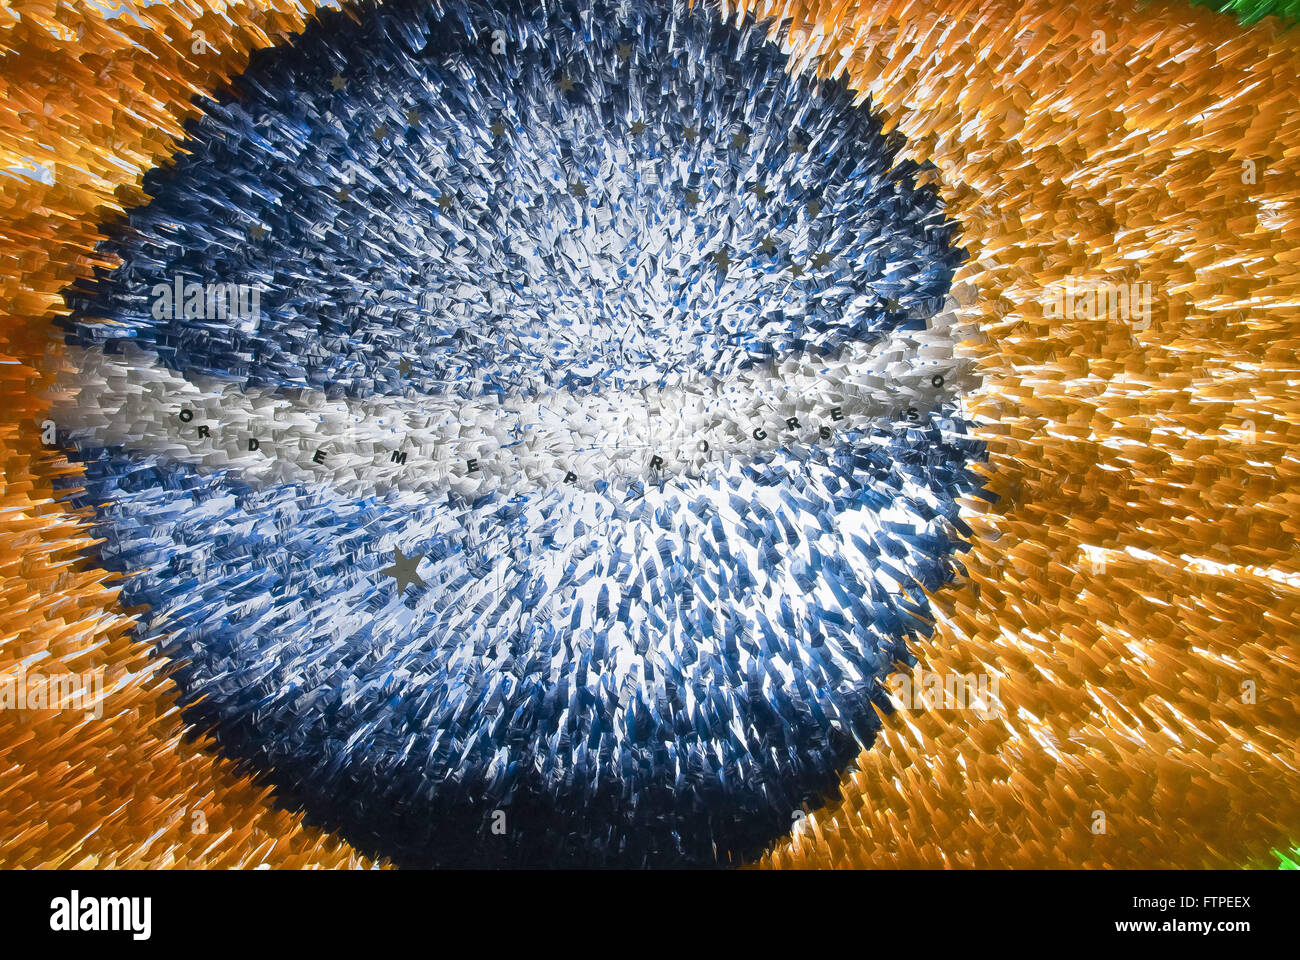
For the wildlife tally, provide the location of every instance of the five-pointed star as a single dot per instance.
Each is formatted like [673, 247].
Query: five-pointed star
[404, 569]
[578, 188]
[891, 304]
[257, 231]
[768, 245]
[344, 193]
[691, 133]
[381, 131]
[565, 83]
[444, 203]
[760, 190]
[338, 81]
[638, 128]
[722, 259]
[796, 269]
[498, 129]
[822, 259]
[740, 139]
[413, 118]
[625, 51]
[692, 197]
[404, 366]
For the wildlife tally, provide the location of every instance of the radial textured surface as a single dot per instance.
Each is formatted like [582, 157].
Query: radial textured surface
[1132, 589]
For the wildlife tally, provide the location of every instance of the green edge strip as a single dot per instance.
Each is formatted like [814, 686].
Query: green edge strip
[1252, 11]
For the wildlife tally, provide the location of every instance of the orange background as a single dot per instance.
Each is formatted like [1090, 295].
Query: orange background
[1171, 451]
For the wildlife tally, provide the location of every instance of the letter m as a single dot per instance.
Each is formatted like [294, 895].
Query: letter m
[119, 908]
